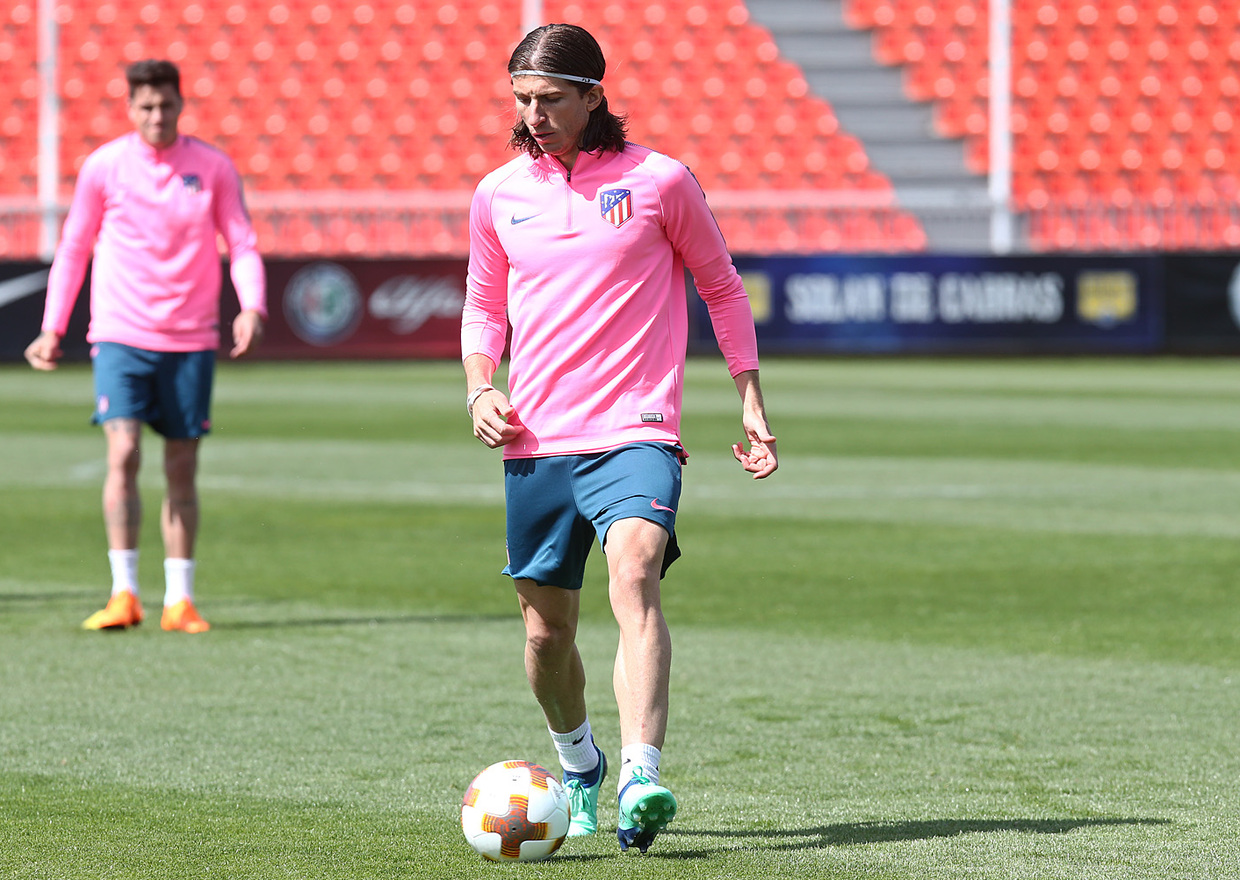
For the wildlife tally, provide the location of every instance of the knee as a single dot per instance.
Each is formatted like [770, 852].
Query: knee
[124, 459]
[634, 585]
[181, 477]
[181, 469]
[549, 639]
[635, 574]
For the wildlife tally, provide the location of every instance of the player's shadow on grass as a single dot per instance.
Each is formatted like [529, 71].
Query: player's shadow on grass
[363, 620]
[854, 833]
[50, 596]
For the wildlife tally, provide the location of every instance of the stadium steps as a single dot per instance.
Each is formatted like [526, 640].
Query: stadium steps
[924, 168]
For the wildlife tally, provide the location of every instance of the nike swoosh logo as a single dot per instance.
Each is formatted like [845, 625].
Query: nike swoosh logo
[578, 741]
[657, 506]
[13, 289]
[515, 219]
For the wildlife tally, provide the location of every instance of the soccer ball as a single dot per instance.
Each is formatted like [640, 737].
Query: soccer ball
[515, 811]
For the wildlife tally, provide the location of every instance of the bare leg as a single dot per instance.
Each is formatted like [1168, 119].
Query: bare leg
[122, 504]
[634, 551]
[552, 661]
[179, 516]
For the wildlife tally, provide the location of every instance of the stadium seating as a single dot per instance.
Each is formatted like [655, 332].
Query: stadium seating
[19, 127]
[410, 96]
[1128, 106]
[1124, 112]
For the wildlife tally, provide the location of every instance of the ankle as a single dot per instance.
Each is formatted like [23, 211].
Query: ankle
[639, 758]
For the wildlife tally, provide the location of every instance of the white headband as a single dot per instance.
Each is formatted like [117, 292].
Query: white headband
[576, 79]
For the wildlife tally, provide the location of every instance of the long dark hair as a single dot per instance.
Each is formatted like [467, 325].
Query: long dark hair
[568, 49]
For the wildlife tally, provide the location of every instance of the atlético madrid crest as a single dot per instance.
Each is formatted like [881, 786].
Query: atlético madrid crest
[616, 206]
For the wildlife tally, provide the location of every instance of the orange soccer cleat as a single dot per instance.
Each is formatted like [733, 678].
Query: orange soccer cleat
[122, 610]
[183, 617]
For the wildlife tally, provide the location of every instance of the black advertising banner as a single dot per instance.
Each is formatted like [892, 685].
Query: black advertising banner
[23, 289]
[908, 304]
[1203, 303]
[924, 304]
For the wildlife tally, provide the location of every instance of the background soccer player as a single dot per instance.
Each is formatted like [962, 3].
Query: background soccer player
[580, 246]
[151, 203]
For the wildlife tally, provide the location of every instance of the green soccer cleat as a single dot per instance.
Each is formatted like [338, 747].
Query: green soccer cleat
[645, 810]
[583, 799]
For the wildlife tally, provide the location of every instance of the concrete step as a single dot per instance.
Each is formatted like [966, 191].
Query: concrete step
[928, 172]
[885, 123]
[826, 50]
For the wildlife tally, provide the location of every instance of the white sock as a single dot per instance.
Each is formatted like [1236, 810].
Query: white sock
[576, 749]
[124, 570]
[639, 756]
[178, 580]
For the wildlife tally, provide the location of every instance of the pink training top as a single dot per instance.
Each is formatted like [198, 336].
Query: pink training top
[152, 217]
[589, 270]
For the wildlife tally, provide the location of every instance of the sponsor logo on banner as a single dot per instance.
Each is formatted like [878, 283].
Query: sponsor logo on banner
[758, 287]
[1000, 297]
[1106, 298]
[322, 304]
[920, 298]
[408, 301]
[616, 206]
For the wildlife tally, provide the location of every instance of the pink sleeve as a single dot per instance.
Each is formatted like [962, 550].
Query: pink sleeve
[77, 243]
[695, 235]
[484, 319]
[245, 264]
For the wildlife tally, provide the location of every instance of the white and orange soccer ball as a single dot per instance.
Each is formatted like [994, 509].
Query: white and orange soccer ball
[515, 811]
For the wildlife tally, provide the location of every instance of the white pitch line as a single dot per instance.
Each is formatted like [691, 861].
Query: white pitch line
[360, 490]
[88, 470]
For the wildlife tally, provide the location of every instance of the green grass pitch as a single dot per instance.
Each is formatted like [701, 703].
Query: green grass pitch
[983, 623]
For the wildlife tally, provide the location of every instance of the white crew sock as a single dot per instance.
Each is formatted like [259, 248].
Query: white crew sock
[178, 580]
[639, 756]
[124, 565]
[576, 749]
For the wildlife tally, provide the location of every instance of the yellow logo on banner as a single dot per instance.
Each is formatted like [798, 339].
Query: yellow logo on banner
[758, 286]
[1106, 298]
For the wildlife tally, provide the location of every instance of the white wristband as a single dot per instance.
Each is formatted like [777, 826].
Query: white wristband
[474, 395]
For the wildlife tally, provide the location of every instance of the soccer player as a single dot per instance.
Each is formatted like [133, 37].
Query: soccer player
[151, 204]
[578, 246]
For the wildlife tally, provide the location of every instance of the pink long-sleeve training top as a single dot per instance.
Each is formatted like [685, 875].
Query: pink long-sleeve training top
[587, 269]
[152, 216]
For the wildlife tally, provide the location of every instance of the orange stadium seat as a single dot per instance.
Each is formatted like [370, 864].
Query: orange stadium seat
[866, 13]
[1153, 85]
[757, 129]
[397, 95]
[20, 122]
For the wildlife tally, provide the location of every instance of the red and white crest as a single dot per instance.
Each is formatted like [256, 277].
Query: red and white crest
[616, 206]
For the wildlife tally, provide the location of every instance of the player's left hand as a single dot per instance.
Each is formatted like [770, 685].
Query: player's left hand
[761, 459]
[247, 332]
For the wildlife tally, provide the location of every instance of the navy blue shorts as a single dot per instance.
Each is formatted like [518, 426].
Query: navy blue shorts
[169, 390]
[557, 506]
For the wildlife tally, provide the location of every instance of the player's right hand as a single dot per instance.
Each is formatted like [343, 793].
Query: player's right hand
[495, 421]
[44, 351]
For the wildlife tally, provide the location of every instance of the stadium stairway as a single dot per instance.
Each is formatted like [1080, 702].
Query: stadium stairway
[927, 171]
